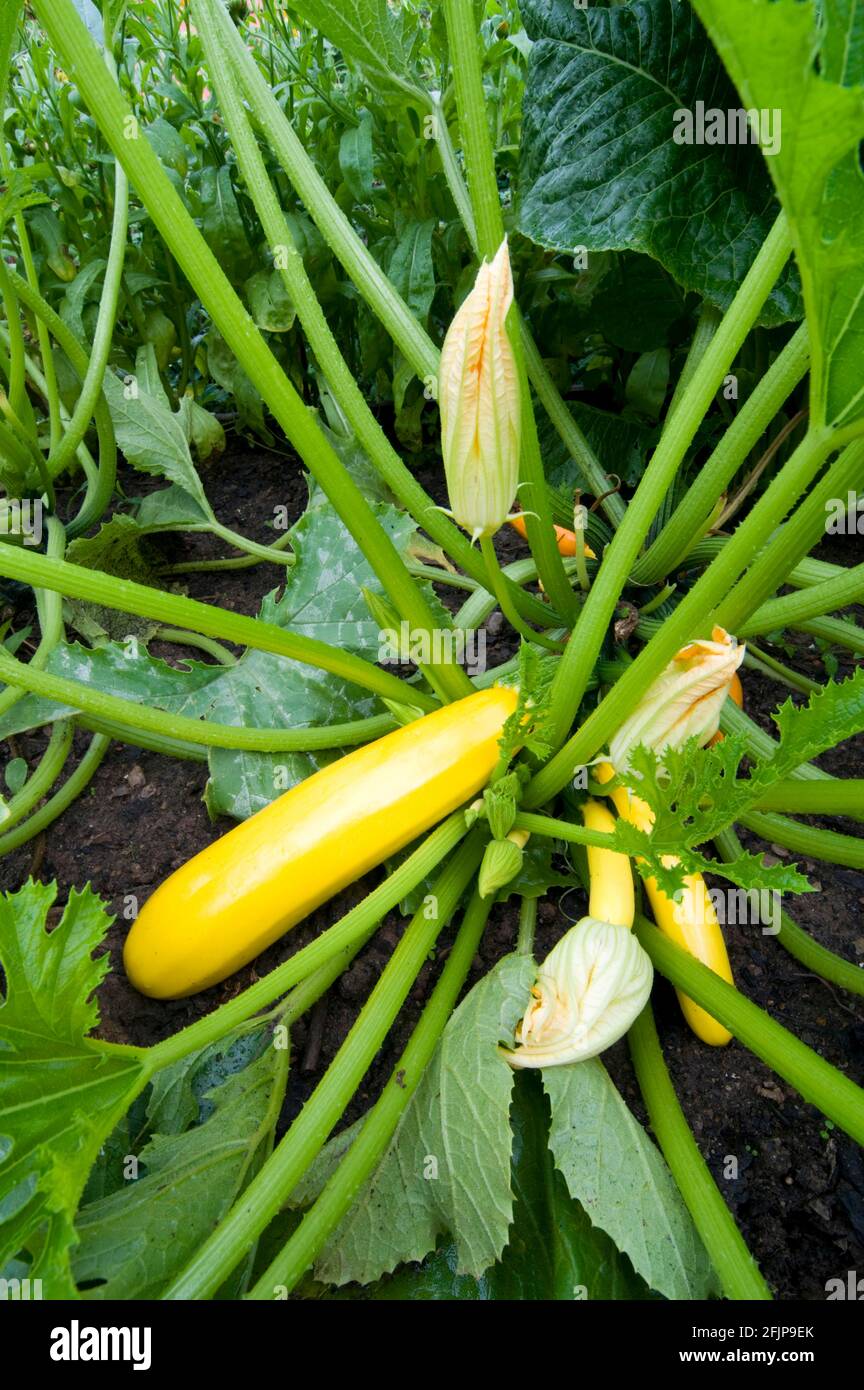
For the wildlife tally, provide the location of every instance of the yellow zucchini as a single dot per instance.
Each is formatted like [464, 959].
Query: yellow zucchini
[611, 897]
[691, 923]
[241, 893]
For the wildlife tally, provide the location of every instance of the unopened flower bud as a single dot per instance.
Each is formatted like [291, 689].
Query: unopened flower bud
[478, 395]
[502, 861]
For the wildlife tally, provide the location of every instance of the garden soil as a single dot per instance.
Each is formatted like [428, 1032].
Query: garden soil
[794, 1183]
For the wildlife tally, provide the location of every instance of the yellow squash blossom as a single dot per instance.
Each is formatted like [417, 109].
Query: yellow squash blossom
[684, 701]
[478, 394]
[589, 990]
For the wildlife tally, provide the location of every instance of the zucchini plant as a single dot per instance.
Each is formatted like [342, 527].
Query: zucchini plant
[445, 268]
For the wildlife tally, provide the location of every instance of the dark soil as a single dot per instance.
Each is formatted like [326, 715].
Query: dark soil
[799, 1191]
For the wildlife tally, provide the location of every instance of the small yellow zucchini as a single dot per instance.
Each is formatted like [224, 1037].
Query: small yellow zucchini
[241, 893]
[611, 896]
[691, 923]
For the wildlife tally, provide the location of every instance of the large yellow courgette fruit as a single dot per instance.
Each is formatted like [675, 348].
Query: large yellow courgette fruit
[691, 923]
[241, 893]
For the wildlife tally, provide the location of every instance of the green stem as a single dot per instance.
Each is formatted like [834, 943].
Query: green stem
[71, 41]
[792, 609]
[757, 660]
[379, 1125]
[499, 589]
[806, 839]
[80, 363]
[527, 926]
[737, 1270]
[814, 1078]
[796, 537]
[690, 517]
[269, 1190]
[273, 554]
[486, 204]
[100, 705]
[836, 632]
[98, 497]
[137, 738]
[562, 830]
[50, 610]
[596, 478]
[124, 594]
[690, 618]
[836, 797]
[371, 283]
[574, 669]
[706, 326]
[796, 940]
[46, 774]
[60, 801]
[451, 679]
[194, 639]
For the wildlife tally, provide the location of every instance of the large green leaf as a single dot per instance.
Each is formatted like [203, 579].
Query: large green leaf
[553, 1253]
[134, 1240]
[610, 1165]
[447, 1168]
[770, 48]
[322, 598]
[61, 1091]
[600, 167]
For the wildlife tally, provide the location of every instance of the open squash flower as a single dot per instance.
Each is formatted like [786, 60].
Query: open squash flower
[593, 984]
[478, 394]
[684, 701]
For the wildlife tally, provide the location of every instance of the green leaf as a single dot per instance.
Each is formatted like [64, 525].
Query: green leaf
[203, 431]
[15, 774]
[610, 1165]
[322, 597]
[269, 303]
[447, 1168]
[553, 1254]
[411, 269]
[61, 1091]
[151, 437]
[769, 48]
[170, 506]
[356, 158]
[621, 445]
[367, 33]
[600, 167]
[169, 145]
[221, 222]
[227, 372]
[648, 381]
[135, 1240]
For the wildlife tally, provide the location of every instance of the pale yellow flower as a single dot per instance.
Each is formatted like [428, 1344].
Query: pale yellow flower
[684, 701]
[478, 394]
[593, 984]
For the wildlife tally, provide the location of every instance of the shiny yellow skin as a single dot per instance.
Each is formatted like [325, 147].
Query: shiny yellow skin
[239, 895]
[692, 923]
[611, 897]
